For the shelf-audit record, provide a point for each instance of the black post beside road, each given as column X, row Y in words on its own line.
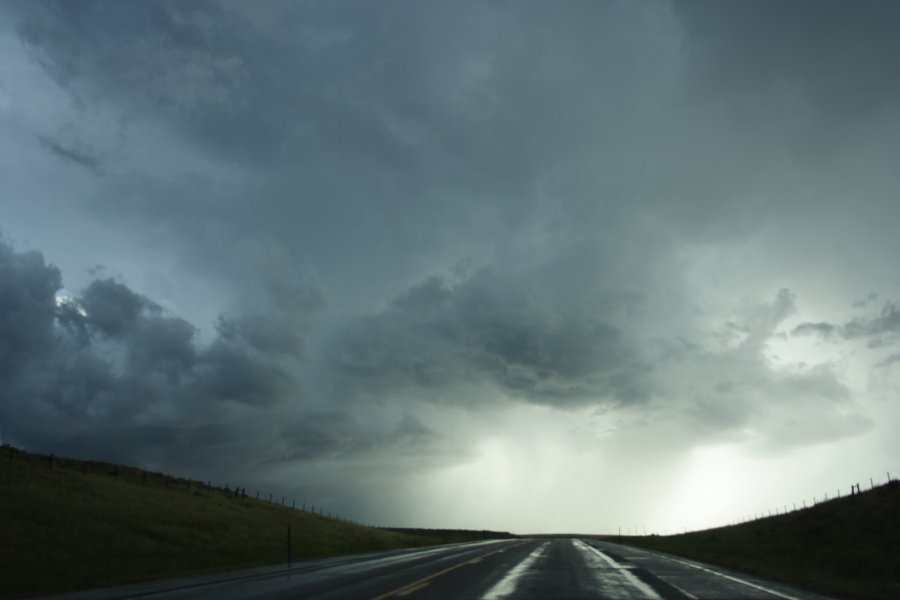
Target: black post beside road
column 289, row 545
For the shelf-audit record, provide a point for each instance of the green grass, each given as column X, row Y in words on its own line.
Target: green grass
column 71, row 525
column 849, row 547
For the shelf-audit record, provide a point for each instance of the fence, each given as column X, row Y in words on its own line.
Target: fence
column 160, row 480
column 804, row 503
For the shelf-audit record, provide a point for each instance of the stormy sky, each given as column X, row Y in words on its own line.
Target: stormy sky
column 521, row 265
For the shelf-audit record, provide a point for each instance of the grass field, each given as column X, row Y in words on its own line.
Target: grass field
column 70, row 524
column 848, row 547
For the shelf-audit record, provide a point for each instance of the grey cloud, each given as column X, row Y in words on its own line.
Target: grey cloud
column 890, row 360
column 616, row 175
column 821, row 328
column 113, row 308
column 27, row 308
column 110, row 361
column 233, row 371
column 495, row 330
column 879, row 330
column 78, row 155
column 840, row 56
column 886, row 323
column 164, row 54
column 412, row 118
column 264, row 333
column 735, row 394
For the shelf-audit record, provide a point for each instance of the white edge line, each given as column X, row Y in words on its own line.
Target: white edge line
column 747, row 583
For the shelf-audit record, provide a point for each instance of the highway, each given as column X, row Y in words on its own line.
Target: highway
column 533, row 568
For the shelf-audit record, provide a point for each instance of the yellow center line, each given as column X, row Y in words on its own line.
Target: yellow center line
column 420, row 583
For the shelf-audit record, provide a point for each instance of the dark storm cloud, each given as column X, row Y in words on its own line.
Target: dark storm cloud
column 886, row 323
column 79, row 155
column 840, row 56
column 112, row 365
column 821, row 328
column 495, row 329
column 371, row 120
column 27, row 308
column 502, row 237
column 167, row 55
column 878, row 329
column 114, row 309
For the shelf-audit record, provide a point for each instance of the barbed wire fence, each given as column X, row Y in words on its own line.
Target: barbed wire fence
column 199, row 487
column 867, row 484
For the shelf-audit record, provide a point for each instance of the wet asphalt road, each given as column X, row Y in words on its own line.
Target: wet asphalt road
column 530, row 569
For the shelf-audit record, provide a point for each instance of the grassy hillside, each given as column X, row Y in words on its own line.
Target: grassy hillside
column 69, row 524
column 849, row 547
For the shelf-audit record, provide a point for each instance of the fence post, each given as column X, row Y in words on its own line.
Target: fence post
column 289, row 545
